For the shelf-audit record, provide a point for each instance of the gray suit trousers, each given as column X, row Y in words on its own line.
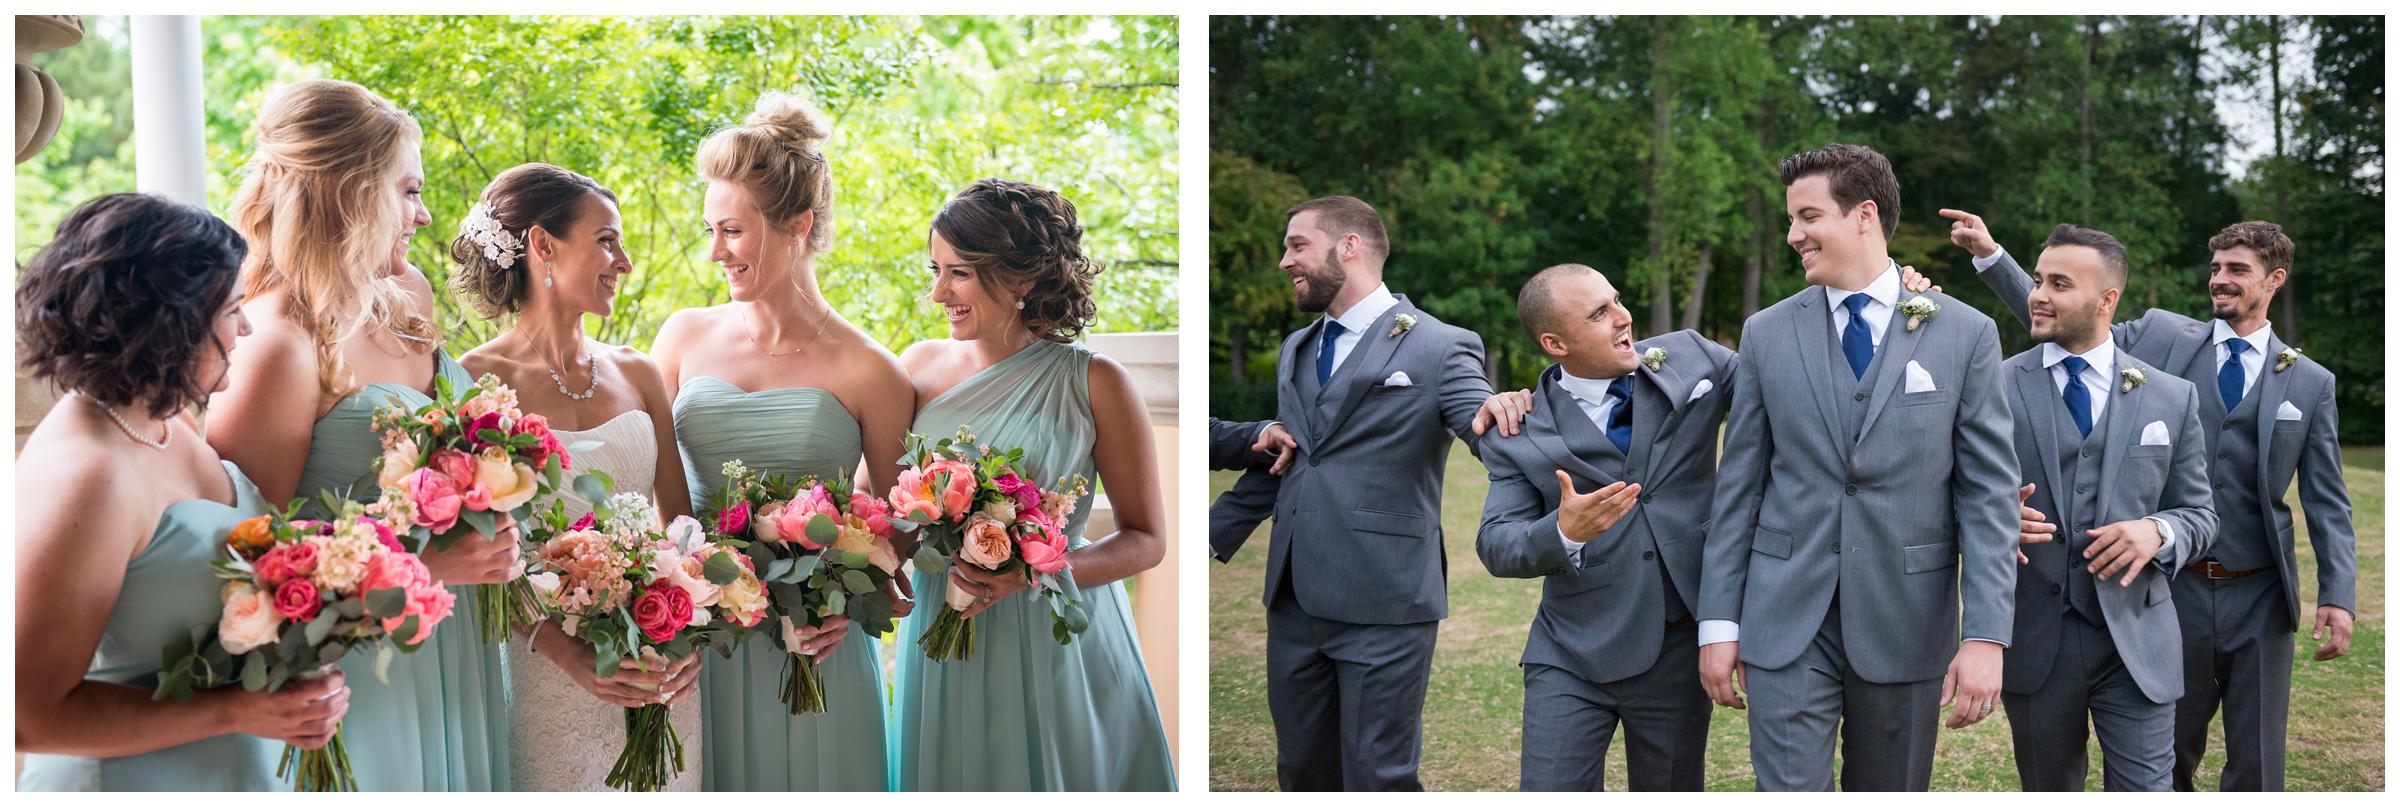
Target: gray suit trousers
column 1797, row 711
column 1346, row 699
column 2088, row 678
column 2237, row 649
column 1569, row 722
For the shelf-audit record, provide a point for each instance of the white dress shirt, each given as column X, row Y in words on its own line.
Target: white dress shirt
column 1884, row 293
column 2254, row 361
column 1360, row 319
column 1592, row 396
column 2100, row 367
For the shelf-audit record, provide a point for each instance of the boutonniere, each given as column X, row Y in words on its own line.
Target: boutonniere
column 1654, row 357
column 2134, row 377
column 2284, row 361
column 1919, row 311
column 1401, row 324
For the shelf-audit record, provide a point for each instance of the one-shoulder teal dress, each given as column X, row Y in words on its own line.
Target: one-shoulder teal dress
column 1027, row 713
column 168, row 589
column 441, row 723
column 753, row 740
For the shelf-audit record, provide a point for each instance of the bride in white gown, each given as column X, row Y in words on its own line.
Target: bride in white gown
column 544, row 244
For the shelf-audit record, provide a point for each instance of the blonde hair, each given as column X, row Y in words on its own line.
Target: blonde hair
column 318, row 209
column 774, row 156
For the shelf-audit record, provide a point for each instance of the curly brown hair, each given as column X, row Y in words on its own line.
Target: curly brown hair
column 120, row 301
column 1022, row 234
column 521, row 198
column 2263, row 237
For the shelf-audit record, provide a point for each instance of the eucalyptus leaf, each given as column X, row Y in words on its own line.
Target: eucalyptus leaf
column 383, row 662
column 591, row 488
column 855, row 582
column 821, row 530
column 387, row 603
column 254, row 671
column 721, row 569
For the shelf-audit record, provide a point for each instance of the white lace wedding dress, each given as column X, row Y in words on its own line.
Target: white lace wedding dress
column 564, row 738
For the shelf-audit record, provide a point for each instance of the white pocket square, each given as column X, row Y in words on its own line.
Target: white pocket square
column 1398, row 379
column 1918, row 379
column 2287, row 412
column 1702, row 389
column 2155, row 434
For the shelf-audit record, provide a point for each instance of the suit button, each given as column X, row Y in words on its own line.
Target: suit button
column 2083, row 488
column 1633, row 472
column 2087, row 455
column 1645, row 498
column 2228, row 425
column 1837, row 548
column 1647, row 554
column 1858, row 396
column 2221, row 455
column 2054, row 588
column 1849, row 490
column 1312, row 461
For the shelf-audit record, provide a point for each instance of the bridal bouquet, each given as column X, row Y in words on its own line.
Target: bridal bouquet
column 455, row 465
column 637, row 593
column 975, row 508
column 299, row 594
column 827, row 551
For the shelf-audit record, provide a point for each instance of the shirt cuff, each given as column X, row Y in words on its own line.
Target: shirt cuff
column 2003, row 645
column 1987, row 263
column 1574, row 550
column 1719, row 631
column 2166, row 543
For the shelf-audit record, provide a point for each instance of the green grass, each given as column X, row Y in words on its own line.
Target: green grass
column 1473, row 719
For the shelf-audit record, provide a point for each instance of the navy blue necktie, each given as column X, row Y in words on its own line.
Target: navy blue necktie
column 1858, row 344
column 2230, row 382
column 1333, row 330
column 1620, row 420
column 2079, row 398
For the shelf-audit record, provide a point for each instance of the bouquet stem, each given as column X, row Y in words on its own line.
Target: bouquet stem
column 319, row 770
column 502, row 607
column 653, row 753
column 951, row 638
column 803, row 685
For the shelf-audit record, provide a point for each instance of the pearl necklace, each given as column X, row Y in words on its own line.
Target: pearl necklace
column 166, row 431
column 590, row 368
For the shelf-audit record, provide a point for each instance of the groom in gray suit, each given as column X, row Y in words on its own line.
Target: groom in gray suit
column 2115, row 453
column 1367, row 400
column 1614, row 424
column 1867, row 486
column 2269, row 415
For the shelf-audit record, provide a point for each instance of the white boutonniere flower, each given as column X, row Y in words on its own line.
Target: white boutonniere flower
column 2134, row 377
column 2284, row 361
column 1401, row 324
column 1919, row 311
column 1654, row 357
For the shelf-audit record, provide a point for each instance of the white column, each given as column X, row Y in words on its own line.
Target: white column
column 1150, row 359
column 170, row 153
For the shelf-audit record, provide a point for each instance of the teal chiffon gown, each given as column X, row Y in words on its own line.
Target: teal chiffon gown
column 441, row 722
column 168, row 589
column 753, row 741
column 1027, row 713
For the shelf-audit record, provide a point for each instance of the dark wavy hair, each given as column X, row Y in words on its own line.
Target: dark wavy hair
column 520, row 198
column 124, row 297
column 1022, row 234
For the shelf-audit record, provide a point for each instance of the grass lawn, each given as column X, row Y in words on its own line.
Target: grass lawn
column 1473, row 720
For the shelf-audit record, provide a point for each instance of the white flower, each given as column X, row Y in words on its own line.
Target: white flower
column 1003, row 511
column 249, row 620
column 2134, row 377
column 1401, row 324
column 1919, row 311
column 2284, row 361
column 1654, row 357
column 499, row 245
column 633, row 513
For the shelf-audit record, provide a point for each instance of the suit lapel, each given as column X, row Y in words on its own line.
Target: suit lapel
column 1548, row 425
column 1299, row 382
column 2124, row 414
column 1900, row 347
column 1809, row 327
column 2186, row 349
column 1651, row 415
column 1366, row 363
column 2035, row 394
column 2272, row 388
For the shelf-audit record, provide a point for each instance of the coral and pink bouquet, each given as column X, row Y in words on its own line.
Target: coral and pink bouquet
column 300, row 594
column 654, row 597
column 975, row 508
column 827, row 551
column 455, row 465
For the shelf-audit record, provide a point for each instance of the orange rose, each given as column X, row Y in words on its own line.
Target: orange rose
column 252, row 537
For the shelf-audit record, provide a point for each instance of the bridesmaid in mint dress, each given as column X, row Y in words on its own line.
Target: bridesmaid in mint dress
column 780, row 381
column 1027, row 713
column 131, row 308
column 343, row 326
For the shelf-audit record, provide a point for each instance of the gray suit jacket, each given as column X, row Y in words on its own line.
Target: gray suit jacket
column 1237, row 512
column 1914, row 511
column 1358, row 518
column 2168, row 482
column 1604, row 621
column 2309, row 448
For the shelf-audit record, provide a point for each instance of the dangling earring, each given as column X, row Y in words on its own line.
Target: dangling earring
column 1020, row 303
column 547, row 268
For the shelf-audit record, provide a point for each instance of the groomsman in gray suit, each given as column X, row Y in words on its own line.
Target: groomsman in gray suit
column 2114, row 452
column 1614, row 641
column 2269, row 414
column 1367, row 400
column 1868, row 486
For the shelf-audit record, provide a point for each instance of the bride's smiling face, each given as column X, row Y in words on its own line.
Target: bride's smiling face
column 740, row 241
column 972, row 310
column 591, row 259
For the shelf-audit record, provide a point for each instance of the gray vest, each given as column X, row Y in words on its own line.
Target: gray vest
column 1580, row 431
column 2078, row 498
column 2244, row 541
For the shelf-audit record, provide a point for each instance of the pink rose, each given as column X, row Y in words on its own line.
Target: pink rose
column 1027, row 495
column 766, row 527
column 430, row 605
column 399, row 570
column 914, row 496
column 540, row 454
column 818, row 500
column 1045, row 549
column 986, row 543
column 873, row 511
column 792, row 523
column 383, row 535
column 453, row 463
column 475, row 497
column 274, row 567
column 297, row 599
column 583, row 523
column 435, row 496
column 661, row 611
column 732, row 520
column 958, row 486
column 489, row 420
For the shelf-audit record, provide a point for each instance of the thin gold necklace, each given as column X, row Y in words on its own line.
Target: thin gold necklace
column 823, row 321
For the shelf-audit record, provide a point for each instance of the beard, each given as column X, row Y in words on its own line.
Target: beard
column 1324, row 283
column 2073, row 327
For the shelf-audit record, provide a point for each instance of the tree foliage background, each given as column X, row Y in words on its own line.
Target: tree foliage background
column 1646, row 147
column 920, row 107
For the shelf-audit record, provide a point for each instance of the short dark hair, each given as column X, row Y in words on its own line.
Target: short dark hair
column 2112, row 253
column 1342, row 215
column 2264, row 237
column 1536, row 309
column 117, row 304
column 1020, row 233
column 1856, row 173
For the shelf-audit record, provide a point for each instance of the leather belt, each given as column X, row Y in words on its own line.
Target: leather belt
column 2217, row 571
